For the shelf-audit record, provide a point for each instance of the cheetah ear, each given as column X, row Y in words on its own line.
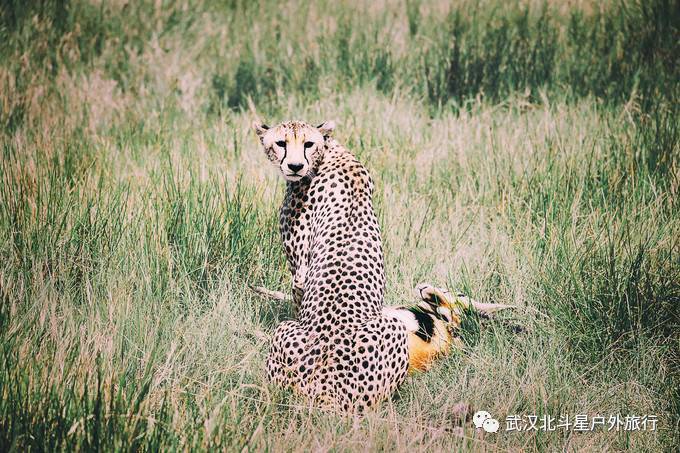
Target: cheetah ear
column 260, row 129
column 326, row 128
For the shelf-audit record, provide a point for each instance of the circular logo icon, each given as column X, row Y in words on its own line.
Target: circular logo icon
column 483, row 419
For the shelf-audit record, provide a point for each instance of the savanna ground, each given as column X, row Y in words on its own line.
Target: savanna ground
column 525, row 153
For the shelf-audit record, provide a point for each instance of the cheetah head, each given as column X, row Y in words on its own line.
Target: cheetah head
column 294, row 147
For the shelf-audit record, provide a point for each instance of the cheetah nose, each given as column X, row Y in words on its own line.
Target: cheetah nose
column 295, row 167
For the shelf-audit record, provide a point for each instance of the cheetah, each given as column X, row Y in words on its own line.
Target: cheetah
column 344, row 348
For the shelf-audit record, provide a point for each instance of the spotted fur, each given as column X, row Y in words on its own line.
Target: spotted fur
column 342, row 349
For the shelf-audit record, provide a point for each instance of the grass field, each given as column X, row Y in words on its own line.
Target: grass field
column 526, row 153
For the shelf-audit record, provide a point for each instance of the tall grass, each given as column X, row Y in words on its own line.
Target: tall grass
column 524, row 153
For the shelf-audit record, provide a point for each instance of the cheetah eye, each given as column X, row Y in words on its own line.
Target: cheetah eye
column 309, row 144
column 281, row 143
